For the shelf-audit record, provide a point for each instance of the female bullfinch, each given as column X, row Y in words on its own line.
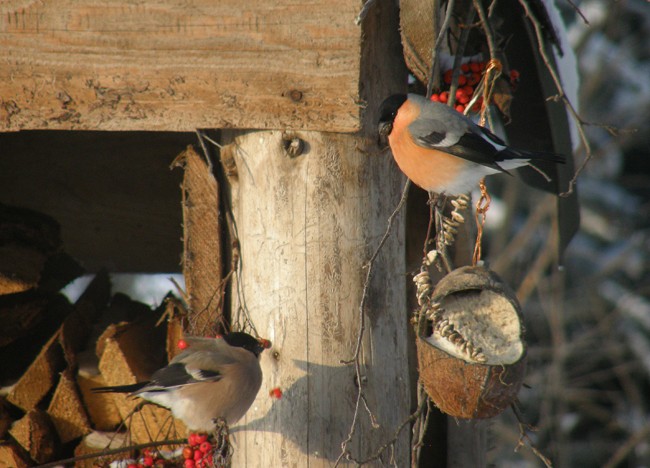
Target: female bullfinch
column 443, row 151
column 213, row 378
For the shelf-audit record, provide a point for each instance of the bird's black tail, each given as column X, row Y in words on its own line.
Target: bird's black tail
column 120, row 388
column 537, row 156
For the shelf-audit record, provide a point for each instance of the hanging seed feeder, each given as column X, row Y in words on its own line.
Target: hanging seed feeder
column 471, row 352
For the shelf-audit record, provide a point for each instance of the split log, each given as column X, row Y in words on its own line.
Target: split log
column 34, row 432
column 67, row 410
column 125, row 357
column 12, row 456
column 20, row 268
column 59, row 350
column 40, row 377
column 101, row 408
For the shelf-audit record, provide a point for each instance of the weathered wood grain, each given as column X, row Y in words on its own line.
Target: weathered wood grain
column 307, row 227
column 177, row 65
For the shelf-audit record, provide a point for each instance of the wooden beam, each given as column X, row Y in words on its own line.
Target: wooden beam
column 173, row 65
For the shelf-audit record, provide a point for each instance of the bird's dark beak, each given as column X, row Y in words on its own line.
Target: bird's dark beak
column 384, row 130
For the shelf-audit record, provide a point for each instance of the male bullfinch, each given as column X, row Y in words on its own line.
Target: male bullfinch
column 213, row 378
column 443, row 151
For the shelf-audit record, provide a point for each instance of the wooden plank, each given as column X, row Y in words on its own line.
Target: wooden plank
column 202, row 264
column 174, row 65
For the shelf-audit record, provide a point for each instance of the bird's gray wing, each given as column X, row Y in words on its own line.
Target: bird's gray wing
column 460, row 138
column 188, row 368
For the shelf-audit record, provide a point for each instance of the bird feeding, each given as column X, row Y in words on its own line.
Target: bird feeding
column 471, row 352
column 211, row 379
column 443, row 151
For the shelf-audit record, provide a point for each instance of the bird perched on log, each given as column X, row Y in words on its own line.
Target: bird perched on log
column 212, row 378
column 442, row 150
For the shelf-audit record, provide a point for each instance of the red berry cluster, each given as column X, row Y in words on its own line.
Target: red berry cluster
column 470, row 76
column 198, row 452
column 149, row 458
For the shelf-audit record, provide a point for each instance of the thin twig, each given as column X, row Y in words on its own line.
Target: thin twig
column 436, row 48
column 624, row 450
column 524, row 440
column 460, row 51
column 487, row 28
column 414, row 416
column 201, row 136
column 419, row 430
column 536, row 271
column 578, row 11
column 362, row 322
column 525, row 234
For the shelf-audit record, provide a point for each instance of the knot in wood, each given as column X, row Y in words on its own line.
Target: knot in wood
column 295, row 95
column 293, row 146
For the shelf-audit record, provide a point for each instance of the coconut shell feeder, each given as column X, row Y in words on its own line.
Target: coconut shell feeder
column 471, row 351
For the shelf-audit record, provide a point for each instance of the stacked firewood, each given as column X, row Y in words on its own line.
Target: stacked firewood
column 53, row 352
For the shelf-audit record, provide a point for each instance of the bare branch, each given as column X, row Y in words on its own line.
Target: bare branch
column 436, row 47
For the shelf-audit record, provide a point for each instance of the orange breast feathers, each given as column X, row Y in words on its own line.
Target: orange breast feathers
column 429, row 169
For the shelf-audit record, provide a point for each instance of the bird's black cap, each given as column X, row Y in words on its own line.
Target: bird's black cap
column 246, row 341
column 389, row 107
column 387, row 113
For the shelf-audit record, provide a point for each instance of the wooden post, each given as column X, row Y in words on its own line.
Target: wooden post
column 307, row 222
column 307, row 226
